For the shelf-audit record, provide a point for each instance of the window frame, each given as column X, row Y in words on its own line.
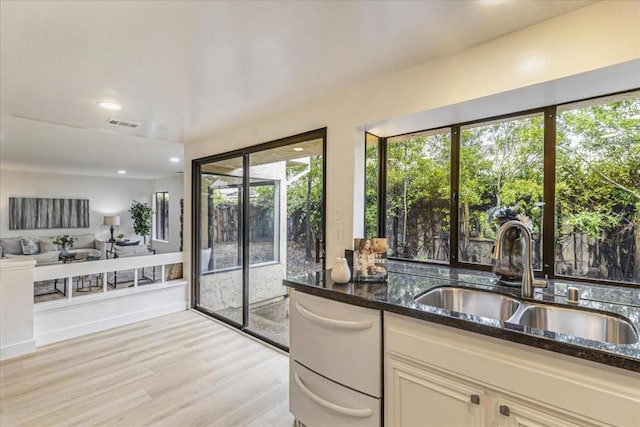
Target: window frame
column 276, row 228
column 161, row 217
column 549, row 191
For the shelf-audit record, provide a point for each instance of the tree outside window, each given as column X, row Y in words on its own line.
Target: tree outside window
column 593, row 188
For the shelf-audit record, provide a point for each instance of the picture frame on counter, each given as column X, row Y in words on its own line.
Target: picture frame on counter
column 370, row 259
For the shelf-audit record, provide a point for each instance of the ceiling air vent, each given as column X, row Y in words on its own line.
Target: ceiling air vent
column 117, row 122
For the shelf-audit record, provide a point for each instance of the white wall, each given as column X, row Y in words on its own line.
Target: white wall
column 174, row 185
column 562, row 56
column 107, row 196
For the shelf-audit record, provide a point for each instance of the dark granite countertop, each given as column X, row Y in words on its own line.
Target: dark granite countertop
column 408, row 279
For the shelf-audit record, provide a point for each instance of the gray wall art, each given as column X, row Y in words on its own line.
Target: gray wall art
column 30, row 213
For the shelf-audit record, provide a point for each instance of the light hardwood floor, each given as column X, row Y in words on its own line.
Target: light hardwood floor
column 176, row 370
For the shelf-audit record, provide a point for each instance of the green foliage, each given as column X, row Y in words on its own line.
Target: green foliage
column 501, row 164
column 297, row 192
column 141, row 213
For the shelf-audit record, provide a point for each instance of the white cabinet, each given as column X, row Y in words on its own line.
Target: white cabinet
column 422, row 398
column 514, row 414
column 335, row 360
column 441, row 376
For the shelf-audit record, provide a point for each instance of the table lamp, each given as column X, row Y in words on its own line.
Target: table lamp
column 111, row 220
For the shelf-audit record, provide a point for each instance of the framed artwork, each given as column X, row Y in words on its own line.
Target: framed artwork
column 370, row 260
column 32, row 213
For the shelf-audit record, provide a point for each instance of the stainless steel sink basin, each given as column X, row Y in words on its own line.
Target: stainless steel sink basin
column 470, row 301
column 579, row 323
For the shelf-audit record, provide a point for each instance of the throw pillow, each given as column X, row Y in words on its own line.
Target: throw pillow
column 84, row 241
column 11, row 245
column 30, row 245
column 47, row 245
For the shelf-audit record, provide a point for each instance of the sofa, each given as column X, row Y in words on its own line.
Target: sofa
column 44, row 251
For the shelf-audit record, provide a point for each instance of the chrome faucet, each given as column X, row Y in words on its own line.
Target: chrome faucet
column 528, row 282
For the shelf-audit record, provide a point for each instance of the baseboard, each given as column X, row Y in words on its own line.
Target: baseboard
column 17, row 349
column 99, row 325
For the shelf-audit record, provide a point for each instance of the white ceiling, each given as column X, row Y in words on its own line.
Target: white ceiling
column 183, row 70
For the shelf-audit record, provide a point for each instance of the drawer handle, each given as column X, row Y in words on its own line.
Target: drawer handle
column 350, row 412
column 333, row 323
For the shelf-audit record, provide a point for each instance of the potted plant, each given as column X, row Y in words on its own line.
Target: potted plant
column 141, row 213
column 64, row 241
column 120, row 237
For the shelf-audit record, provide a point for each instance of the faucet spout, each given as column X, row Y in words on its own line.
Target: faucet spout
column 528, row 281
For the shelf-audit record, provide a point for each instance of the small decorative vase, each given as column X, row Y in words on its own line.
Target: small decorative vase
column 63, row 251
column 341, row 273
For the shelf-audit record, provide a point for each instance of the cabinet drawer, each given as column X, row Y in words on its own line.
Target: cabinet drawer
column 317, row 401
column 337, row 340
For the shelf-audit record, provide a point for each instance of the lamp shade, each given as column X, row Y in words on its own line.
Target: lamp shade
column 111, row 220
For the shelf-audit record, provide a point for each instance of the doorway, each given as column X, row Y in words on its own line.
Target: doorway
column 258, row 218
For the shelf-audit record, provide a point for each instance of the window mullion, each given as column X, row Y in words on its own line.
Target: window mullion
column 454, row 195
column 382, row 187
column 548, row 236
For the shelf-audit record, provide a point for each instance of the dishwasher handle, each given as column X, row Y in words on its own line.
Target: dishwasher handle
column 342, row 410
column 327, row 322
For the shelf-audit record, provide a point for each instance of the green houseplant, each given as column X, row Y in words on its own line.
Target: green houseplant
column 141, row 213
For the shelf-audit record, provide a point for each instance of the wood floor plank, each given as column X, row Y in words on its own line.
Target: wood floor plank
column 176, row 370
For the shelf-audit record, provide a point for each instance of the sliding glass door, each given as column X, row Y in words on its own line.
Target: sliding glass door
column 285, row 218
column 220, row 211
column 260, row 217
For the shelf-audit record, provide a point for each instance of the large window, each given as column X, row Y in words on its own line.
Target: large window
column 223, row 242
column 162, row 215
column 598, row 189
column 573, row 172
column 501, row 165
column 417, row 190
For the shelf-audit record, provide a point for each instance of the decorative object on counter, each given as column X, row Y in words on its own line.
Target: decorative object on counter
column 141, row 213
column 370, row 260
column 341, row 273
column 120, row 237
column 31, row 213
column 64, row 241
column 111, row 220
column 510, row 266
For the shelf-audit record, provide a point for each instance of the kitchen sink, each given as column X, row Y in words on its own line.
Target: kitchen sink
column 597, row 326
column 471, row 301
column 580, row 323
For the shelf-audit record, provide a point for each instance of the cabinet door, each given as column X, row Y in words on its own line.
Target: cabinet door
column 421, row 398
column 514, row 414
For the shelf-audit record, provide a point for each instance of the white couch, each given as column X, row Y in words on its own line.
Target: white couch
column 44, row 251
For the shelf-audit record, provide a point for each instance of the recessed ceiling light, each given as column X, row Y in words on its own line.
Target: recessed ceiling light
column 110, row 105
column 122, row 172
column 298, row 149
column 174, row 159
